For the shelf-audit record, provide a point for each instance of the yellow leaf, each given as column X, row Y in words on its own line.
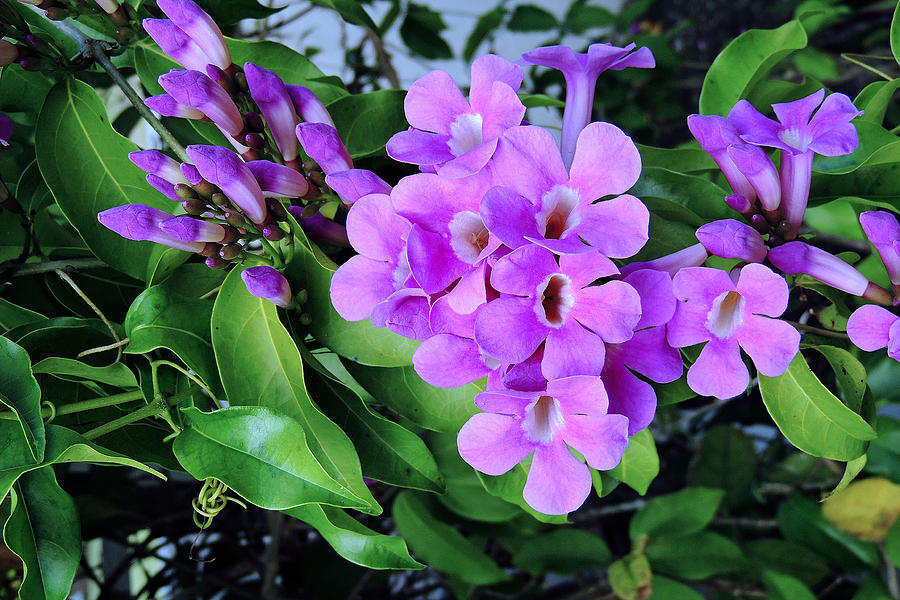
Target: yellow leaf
column 866, row 508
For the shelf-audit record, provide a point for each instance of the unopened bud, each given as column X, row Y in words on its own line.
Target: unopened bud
column 255, row 141
column 230, row 252
column 194, row 206
column 184, row 191
column 240, row 81
column 273, row 233
column 31, row 63
column 9, row 53
column 317, row 178
column 231, row 235
column 232, row 217
column 310, row 210
column 254, row 121
column 220, row 199
column 210, row 249
column 216, row 263
column 276, row 209
column 57, row 13
column 784, row 227
column 305, row 319
column 301, row 297
column 759, row 223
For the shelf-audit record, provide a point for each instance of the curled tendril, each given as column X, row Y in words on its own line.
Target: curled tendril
column 211, row 500
column 49, row 406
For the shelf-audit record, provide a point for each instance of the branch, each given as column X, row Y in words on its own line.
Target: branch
column 72, row 264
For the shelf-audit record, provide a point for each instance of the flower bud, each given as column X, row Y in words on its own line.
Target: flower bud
column 883, row 231
column 269, row 284
column 195, row 89
column 189, row 229
column 8, row 53
column 732, row 239
column 216, row 263
column 185, row 192
column 321, row 230
column 6, row 130
column 255, row 141
column 225, row 169
column 167, row 106
column 254, row 122
column 278, row 180
column 108, row 6
column 270, row 95
column 308, row 106
column 194, row 206
column 760, row 171
column 156, row 163
column 235, row 219
column 692, row 256
column 176, row 43
column 230, row 252
column 715, row 134
column 793, row 258
column 273, row 233
column 163, row 186
column 142, row 223
column 276, row 209
column 323, row 144
column 353, row 184
column 191, row 19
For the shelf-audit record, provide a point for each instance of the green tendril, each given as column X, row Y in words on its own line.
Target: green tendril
column 211, row 500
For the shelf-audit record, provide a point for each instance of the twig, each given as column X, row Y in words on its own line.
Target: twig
column 99, row 349
column 819, row 331
column 271, row 560
column 604, row 511
column 893, row 583
column 746, row 522
column 384, row 59
column 72, row 264
column 62, row 275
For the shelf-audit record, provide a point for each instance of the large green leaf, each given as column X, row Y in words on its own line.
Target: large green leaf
column 441, row 546
column 786, row 557
column 562, row 551
column 44, row 531
column 876, row 145
column 875, row 98
column 687, row 159
column 874, row 181
column 895, row 33
column 746, row 60
column 785, row 587
column 681, row 513
column 640, row 464
column 388, row 452
column 678, row 197
column 13, row 315
column 367, row 121
column 485, row 24
column 20, row 392
column 663, row 588
column 116, row 374
column 811, row 417
column 227, row 13
column 21, row 90
column 354, row 541
column 726, row 460
column 849, row 373
column 261, row 366
column 351, row 11
column 163, row 318
column 694, row 556
column 262, row 455
column 359, row 341
column 85, row 164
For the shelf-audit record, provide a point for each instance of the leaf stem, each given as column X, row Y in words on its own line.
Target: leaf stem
column 819, row 331
column 49, row 266
column 158, row 363
column 849, row 57
column 159, row 407
column 84, row 405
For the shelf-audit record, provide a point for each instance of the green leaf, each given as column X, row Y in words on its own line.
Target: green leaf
column 13, row 315
column 261, row 366
column 485, row 24
column 786, row 557
column 354, row 541
column 884, row 452
column 509, row 487
column 892, row 543
column 630, row 577
column 678, row 197
column 361, row 341
column 709, row 554
column 640, row 464
column 421, row 30
column 61, row 336
column 44, row 531
column 388, row 452
column 744, row 62
column 404, row 392
column 726, row 460
column 528, row 17
column 785, row 587
column 351, row 11
column 801, row 522
column 563, row 551
column 663, row 588
column 260, row 454
column 21, row 90
column 583, row 17
column 811, row 417
column 228, row 13
column 20, row 392
column 849, row 373
column 876, row 145
column 853, row 468
column 873, row 181
column 689, row 159
column 538, row 100
column 684, row 512
column 162, row 318
column 873, row 589
column 895, row 33
column 116, row 374
column 367, row 121
column 874, row 99
column 441, row 546
column 31, row 191
column 85, row 164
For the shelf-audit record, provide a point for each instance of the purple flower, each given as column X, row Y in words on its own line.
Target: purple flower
column 168, row 106
column 732, row 239
column 268, row 284
column 799, row 134
column 200, row 27
column 176, row 43
column 872, row 328
column 225, row 169
column 728, row 316
column 353, row 184
column 189, row 229
column 195, row 89
column 715, row 135
column 647, row 353
column 543, row 300
column 6, row 129
column 154, row 162
column 308, row 106
column 799, row 257
column 319, row 229
column 269, row 92
column 545, row 203
column 163, row 186
column 323, row 144
column 581, row 72
column 570, row 412
column 883, row 231
column 451, row 135
column 140, row 222
column 278, row 180
column 692, row 256
column 449, row 361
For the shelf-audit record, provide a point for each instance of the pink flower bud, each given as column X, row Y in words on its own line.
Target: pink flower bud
column 191, row 19
column 278, row 180
column 189, row 229
column 225, row 169
column 321, row 230
column 167, row 106
column 799, row 257
column 323, row 144
column 6, row 130
column 156, row 163
column 269, row 93
column 732, row 239
column 268, row 284
column 883, row 231
column 8, row 53
column 353, row 184
column 176, row 43
column 308, row 106
column 142, row 223
column 692, row 256
column 195, row 89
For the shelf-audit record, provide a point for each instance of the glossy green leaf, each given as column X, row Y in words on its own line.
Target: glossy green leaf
column 563, row 551
column 260, row 454
column 67, row 446
column 874, row 181
column 689, row 159
column 62, row 336
column 20, row 393
column 351, row 11
column 678, row 197
column 13, row 315
column 440, row 546
column 528, row 17
column 116, row 374
column 811, row 417
column 485, row 24
column 354, row 541
column 874, row 99
column 404, row 392
column 853, row 468
column 538, row 100
column 261, row 366
column 162, row 318
column 360, row 341
column 583, row 17
column 681, row 513
column 630, row 577
column 786, row 557
column 745, row 61
column 895, row 33
column 44, row 531
column 709, row 554
column 85, row 164
column 801, row 522
column 876, row 145
column 640, row 464
column 227, row 13
column 388, row 452
column 849, row 373
column 367, row 121
column 785, row 587
column 21, row 90
column 31, row 191
column 884, row 452
column 726, row 460
column 663, row 588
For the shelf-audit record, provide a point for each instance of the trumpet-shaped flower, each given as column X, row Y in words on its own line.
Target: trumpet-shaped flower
column 883, row 231
column 570, row 412
column 872, row 327
column 728, row 316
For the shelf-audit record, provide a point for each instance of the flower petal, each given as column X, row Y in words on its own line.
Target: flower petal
column 419, row 147
column 657, row 299
column 629, row 396
column 719, row 370
column 610, row 310
column 488, row 70
column 375, row 230
column 497, row 320
column 509, row 216
column 449, row 361
column 618, row 227
column 493, row 444
column 530, row 161
column 579, row 395
column 358, row 285
column 869, row 326
column 521, row 271
column 771, row 343
column 557, row 483
column 433, row 102
column 601, row 439
column 695, row 289
column 606, row 162
column 765, row 292
column 572, row 350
